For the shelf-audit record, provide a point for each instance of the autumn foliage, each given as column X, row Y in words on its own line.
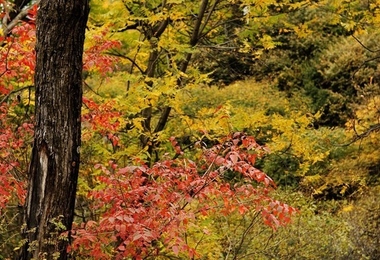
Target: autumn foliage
column 144, row 211
column 140, row 210
column 136, row 204
column 12, row 162
column 16, row 72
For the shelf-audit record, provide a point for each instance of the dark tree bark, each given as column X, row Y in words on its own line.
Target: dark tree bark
column 54, row 165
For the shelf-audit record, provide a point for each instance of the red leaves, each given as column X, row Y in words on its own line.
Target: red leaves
column 144, row 209
column 176, row 146
column 102, row 118
column 17, row 56
column 17, row 53
column 277, row 214
column 96, row 57
column 234, row 157
column 12, row 167
column 240, row 153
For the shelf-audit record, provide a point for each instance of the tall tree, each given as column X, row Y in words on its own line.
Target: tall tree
column 54, row 166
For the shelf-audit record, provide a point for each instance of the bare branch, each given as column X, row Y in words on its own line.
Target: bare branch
column 197, row 27
column 14, row 92
column 364, row 46
column 374, row 128
column 211, row 11
column 117, row 54
column 21, row 15
column 129, row 27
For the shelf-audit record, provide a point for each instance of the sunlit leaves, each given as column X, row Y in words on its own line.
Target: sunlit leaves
column 96, row 58
column 17, row 58
column 13, row 145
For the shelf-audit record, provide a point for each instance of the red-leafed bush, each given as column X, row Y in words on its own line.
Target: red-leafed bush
column 146, row 209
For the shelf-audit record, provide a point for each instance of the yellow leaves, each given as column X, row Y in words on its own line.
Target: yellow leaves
column 107, row 12
column 267, row 42
column 313, row 181
column 296, row 136
column 334, row 19
column 348, row 208
column 284, row 31
column 302, row 31
column 175, row 1
column 210, row 120
column 367, row 118
column 349, row 25
column 298, row 4
column 262, row 111
column 369, row 110
column 376, row 19
column 158, row 17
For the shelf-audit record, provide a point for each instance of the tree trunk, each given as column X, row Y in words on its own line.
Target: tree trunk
column 53, row 171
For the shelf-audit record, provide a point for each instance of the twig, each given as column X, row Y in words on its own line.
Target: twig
column 362, row 44
column 373, row 128
column 366, row 61
column 21, row 15
column 90, row 88
column 117, row 54
column 244, row 235
column 13, row 92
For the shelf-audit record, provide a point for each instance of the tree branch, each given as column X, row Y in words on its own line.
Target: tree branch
column 117, row 54
column 374, row 128
column 21, row 15
column 129, row 27
column 209, row 16
column 362, row 44
column 13, row 92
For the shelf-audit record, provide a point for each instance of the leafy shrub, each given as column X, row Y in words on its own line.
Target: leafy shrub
column 364, row 220
column 146, row 211
column 284, row 124
column 313, row 234
column 344, row 68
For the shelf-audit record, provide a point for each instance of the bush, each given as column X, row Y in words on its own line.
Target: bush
column 364, row 220
column 313, row 234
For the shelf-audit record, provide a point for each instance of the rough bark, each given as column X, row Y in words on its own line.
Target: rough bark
column 54, row 165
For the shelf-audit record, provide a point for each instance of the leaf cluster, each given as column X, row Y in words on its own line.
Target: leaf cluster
column 145, row 211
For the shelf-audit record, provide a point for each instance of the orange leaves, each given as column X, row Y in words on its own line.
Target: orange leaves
column 96, row 56
column 277, row 214
column 12, row 142
column 17, row 56
column 143, row 209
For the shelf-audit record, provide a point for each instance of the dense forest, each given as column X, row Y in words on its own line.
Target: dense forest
column 210, row 129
